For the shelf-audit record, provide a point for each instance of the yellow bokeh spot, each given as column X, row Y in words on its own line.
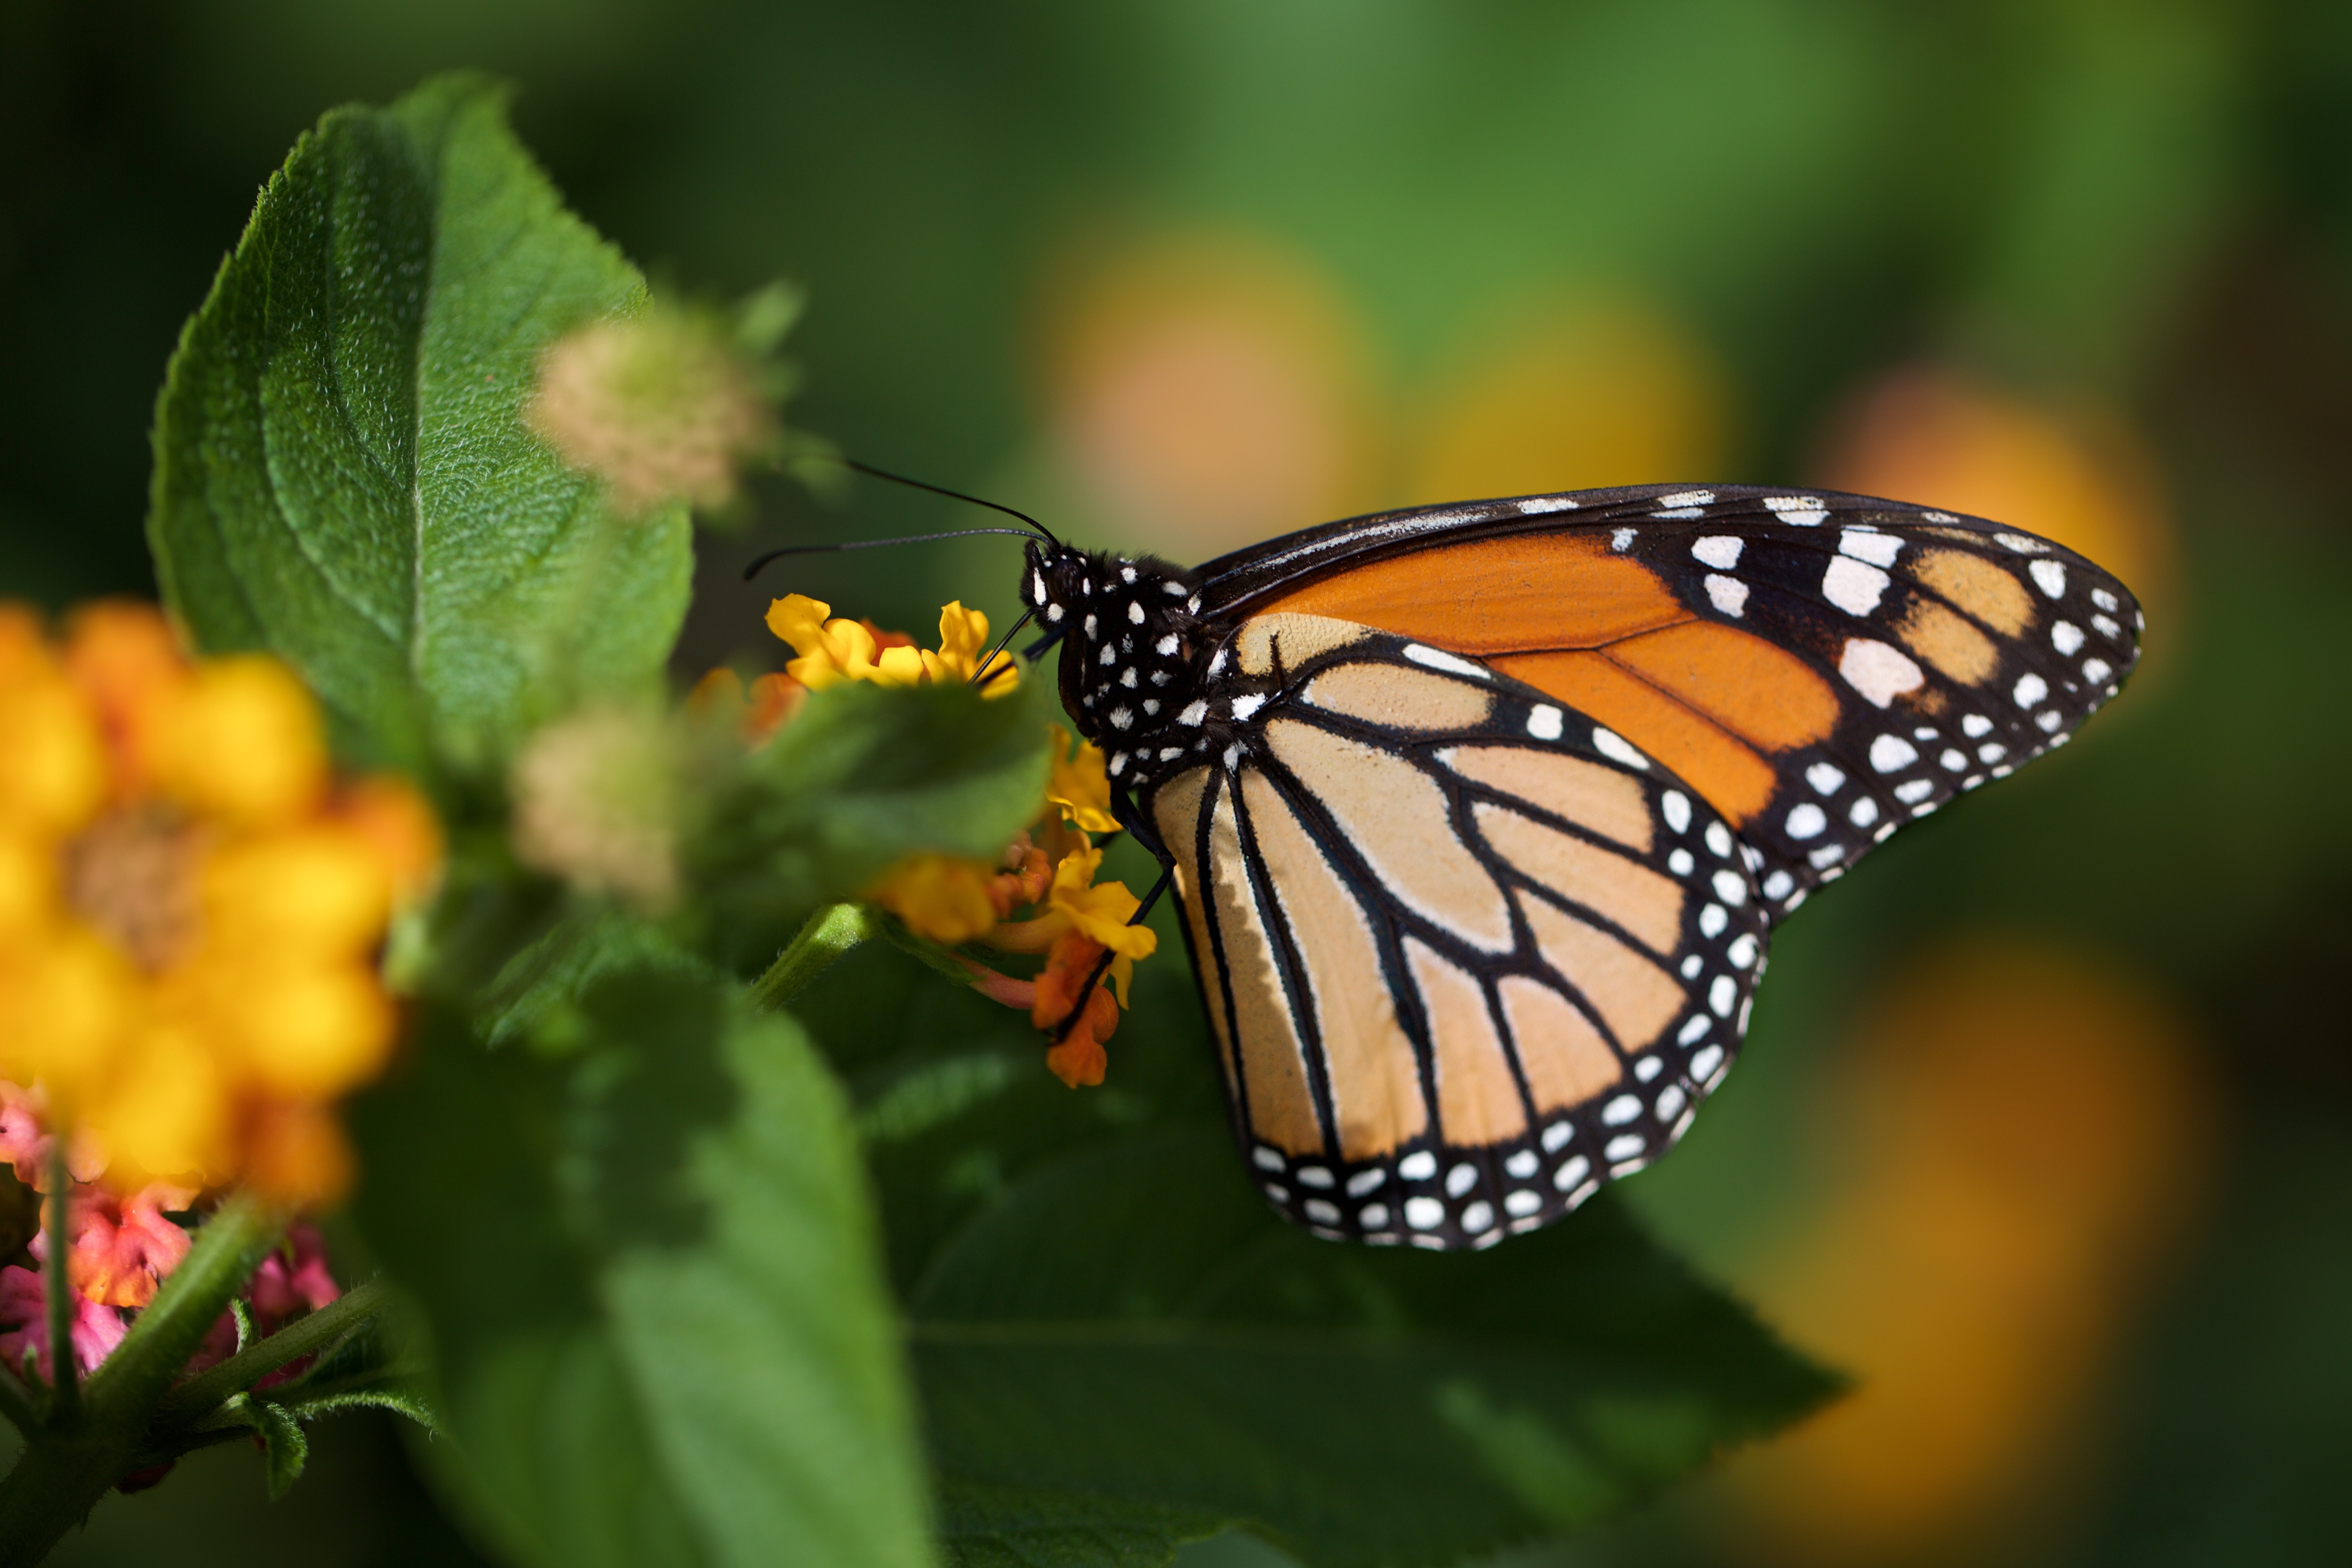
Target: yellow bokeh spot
column 165, row 1111
column 312, row 1032
column 1570, row 393
column 53, row 772
column 245, row 743
column 2014, row 1139
column 315, row 891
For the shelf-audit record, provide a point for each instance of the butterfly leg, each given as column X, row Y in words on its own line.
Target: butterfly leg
column 1102, row 965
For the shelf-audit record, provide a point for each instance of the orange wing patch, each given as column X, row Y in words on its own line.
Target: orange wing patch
column 1605, row 635
column 1757, row 689
column 1499, row 595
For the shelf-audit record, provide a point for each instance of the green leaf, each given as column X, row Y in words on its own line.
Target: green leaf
column 1119, row 1343
column 985, row 1526
column 284, row 1446
column 864, row 776
column 343, row 474
column 651, row 1275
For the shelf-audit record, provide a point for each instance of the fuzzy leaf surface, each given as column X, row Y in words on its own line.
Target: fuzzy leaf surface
column 343, row 475
column 649, row 1268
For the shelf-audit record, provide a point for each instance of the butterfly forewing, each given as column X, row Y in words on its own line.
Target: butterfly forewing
column 1467, row 952
column 1820, row 667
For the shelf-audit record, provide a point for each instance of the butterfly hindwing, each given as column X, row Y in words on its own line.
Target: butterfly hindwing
column 1466, row 953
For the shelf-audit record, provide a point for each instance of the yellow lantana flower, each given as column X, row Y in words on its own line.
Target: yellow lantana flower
column 190, row 905
column 1079, row 785
column 943, row 896
column 832, row 651
column 1101, row 912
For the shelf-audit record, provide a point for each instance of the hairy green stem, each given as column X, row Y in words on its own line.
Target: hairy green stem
column 16, row 1403
column 57, row 1227
column 830, row 932
column 300, row 1338
column 63, row 1473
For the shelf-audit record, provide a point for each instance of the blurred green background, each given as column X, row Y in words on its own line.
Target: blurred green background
column 2045, row 1127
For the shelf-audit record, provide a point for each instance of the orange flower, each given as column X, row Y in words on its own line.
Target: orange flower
column 759, row 712
column 189, row 904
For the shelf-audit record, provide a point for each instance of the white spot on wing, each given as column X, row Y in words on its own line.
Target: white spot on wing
column 1878, row 548
column 1437, row 659
column 1854, row 586
column 2030, row 689
column 1535, row 505
column 1418, row 1166
column 2064, row 636
column 1622, row 540
column 1879, row 672
column 2050, row 576
column 1727, row 595
column 1615, row 747
column 1827, row 778
column 1675, row 807
column 1687, row 498
column 1889, row 753
column 1806, row 821
column 1720, row 551
column 1544, row 722
column 1245, row 706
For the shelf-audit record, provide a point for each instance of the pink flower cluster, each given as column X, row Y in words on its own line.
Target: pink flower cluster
column 122, row 1249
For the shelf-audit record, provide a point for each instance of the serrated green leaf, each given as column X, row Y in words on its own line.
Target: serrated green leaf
column 343, row 474
column 654, row 1291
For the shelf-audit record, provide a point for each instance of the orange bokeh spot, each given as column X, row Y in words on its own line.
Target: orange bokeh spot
column 1210, row 391
column 2078, row 476
column 2016, row 1137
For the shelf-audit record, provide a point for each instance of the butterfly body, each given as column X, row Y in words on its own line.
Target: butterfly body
column 1479, row 816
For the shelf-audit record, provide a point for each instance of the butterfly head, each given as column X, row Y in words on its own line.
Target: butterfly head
column 1130, row 637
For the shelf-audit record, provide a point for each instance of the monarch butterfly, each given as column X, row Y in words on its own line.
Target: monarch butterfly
column 1479, row 816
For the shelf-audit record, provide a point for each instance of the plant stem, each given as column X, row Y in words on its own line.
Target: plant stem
column 16, row 1404
column 830, row 932
column 62, row 1474
column 299, row 1338
column 56, row 1225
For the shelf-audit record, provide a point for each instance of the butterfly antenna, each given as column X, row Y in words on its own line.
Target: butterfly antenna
column 1042, row 531
column 1036, row 531
column 982, row 676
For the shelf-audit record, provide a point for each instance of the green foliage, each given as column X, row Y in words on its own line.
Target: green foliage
column 342, row 475
column 863, row 777
column 1120, row 1347
column 647, row 1262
